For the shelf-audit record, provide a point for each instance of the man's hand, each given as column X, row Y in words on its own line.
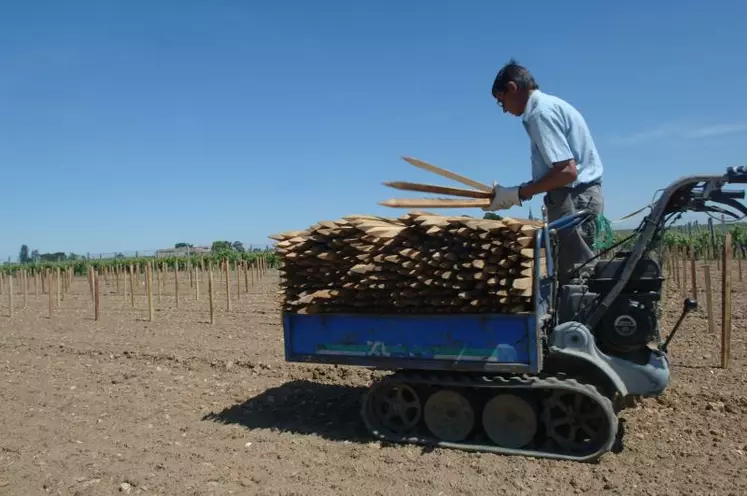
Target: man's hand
column 504, row 198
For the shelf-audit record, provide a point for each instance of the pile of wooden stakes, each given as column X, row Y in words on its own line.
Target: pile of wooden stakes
column 417, row 263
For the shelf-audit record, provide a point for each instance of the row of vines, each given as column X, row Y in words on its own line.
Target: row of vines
column 82, row 267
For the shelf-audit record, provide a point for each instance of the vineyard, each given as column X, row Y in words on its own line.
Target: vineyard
column 175, row 383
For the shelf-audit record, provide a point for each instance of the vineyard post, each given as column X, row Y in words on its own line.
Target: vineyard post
column 237, row 272
column 49, row 291
column 10, row 295
column 59, row 284
column 726, row 302
column 36, row 284
column 693, row 274
column 124, row 285
column 149, row 284
column 709, row 299
column 90, row 281
column 210, row 291
column 25, row 289
column 197, row 274
column 159, row 273
column 684, row 269
column 132, row 285
column 191, row 274
column 246, row 276
column 228, row 284
column 96, row 300
column 176, row 282
column 116, row 274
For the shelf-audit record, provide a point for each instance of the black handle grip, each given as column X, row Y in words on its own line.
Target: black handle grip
column 737, row 174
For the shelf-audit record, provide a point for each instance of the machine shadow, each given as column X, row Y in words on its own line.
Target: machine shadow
column 302, row 407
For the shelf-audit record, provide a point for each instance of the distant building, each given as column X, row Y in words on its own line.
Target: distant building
column 183, row 251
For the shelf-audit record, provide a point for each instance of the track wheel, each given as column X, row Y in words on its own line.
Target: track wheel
column 396, row 406
column 449, row 415
column 576, row 422
column 509, row 421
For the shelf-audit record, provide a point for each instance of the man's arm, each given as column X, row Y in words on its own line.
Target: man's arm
column 561, row 174
column 546, row 131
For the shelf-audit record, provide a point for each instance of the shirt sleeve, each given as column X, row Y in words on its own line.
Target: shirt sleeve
column 546, row 131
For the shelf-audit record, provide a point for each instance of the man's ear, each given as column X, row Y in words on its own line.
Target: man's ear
column 511, row 87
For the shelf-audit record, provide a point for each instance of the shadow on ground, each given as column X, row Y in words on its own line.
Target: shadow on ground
column 302, row 407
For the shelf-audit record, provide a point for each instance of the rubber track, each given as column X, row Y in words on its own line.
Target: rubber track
column 522, row 382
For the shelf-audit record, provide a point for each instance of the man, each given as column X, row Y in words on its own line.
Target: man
column 565, row 163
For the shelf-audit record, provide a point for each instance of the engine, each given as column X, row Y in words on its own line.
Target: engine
column 631, row 322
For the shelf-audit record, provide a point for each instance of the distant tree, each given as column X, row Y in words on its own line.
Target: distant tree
column 492, row 216
column 183, row 245
column 238, row 246
column 23, row 256
column 35, row 256
column 221, row 246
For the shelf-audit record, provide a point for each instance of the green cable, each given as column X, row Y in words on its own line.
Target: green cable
column 604, row 236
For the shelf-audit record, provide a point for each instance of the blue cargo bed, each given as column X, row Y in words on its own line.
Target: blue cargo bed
column 464, row 342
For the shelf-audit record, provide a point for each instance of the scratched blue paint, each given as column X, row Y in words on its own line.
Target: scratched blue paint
column 360, row 339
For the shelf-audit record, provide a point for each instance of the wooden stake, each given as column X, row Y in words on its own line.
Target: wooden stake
column 159, row 273
column 59, row 284
column 210, row 291
column 149, row 284
column 124, row 285
column 196, row 271
column 132, row 285
column 176, row 282
column 10, row 294
column 693, row 275
column 25, row 289
column 90, row 282
column 49, row 291
column 96, row 300
column 228, row 285
column 244, row 266
column 709, row 299
column 726, row 302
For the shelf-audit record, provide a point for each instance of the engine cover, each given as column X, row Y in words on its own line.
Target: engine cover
column 631, row 321
column 627, row 326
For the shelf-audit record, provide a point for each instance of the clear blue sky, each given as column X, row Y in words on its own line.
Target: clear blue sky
column 134, row 125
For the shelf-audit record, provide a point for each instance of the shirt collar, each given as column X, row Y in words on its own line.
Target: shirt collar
column 531, row 104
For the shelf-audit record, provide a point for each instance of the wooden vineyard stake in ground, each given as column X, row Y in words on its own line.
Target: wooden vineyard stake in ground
column 709, row 298
column 228, row 285
column 96, row 300
column 210, row 292
column 726, row 302
column 196, row 276
column 10, row 295
column 49, row 291
column 149, row 286
column 693, row 274
column 132, row 285
column 176, row 282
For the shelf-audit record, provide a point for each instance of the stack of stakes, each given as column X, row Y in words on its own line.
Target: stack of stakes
column 419, row 263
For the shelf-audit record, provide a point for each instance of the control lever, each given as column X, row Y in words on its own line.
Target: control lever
column 690, row 305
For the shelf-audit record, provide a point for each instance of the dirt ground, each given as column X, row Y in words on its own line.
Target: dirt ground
column 179, row 406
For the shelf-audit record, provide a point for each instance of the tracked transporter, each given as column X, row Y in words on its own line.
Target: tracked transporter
column 536, row 369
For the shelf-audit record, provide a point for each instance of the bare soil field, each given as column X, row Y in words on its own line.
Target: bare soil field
column 180, row 406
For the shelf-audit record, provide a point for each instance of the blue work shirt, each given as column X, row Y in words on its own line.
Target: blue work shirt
column 559, row 132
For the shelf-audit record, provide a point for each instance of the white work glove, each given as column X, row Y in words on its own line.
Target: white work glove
column 504, row 198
